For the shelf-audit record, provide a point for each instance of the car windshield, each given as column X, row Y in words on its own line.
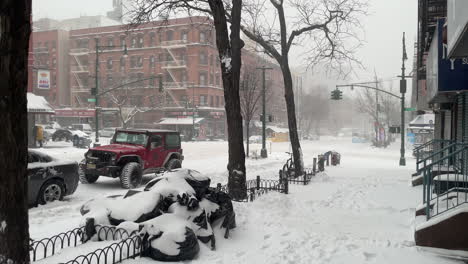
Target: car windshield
column 131, row 138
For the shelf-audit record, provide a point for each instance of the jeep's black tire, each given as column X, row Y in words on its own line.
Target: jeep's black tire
column 87, row 178
column 173, row 164
column 131, row 176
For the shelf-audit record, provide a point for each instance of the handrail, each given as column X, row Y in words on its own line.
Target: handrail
column 448, row 156
column 438, row 152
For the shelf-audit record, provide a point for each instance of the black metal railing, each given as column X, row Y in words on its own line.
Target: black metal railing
column 445, row 180
column 47, row 247
column 127, row 248
column 426, row 151
column 258, row 187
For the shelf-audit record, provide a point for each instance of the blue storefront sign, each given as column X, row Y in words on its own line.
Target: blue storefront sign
column 444, row 74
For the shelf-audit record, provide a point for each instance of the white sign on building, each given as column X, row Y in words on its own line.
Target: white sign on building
column 43, row 79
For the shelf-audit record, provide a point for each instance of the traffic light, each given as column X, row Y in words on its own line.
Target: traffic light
column 270, row 118
column 93, row 91
column 336, row 94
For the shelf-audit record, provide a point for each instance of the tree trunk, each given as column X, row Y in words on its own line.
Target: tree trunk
column 289, row 94
column 291, row 110
column 247, row 132
column 15, row 29
column 230, row 56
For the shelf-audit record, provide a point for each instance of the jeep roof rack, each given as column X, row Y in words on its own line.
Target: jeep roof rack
column 145, row 130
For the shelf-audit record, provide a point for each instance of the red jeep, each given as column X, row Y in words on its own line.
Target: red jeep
column 132, row 153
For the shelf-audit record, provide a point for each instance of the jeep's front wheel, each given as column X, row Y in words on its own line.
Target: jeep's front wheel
column 86, row 178
column 131, row 176
column 173, row 164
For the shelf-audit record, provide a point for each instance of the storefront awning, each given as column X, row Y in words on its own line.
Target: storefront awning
column 38, row 105
column 179, row 121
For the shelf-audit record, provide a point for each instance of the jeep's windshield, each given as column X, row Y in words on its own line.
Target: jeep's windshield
column 131, row 138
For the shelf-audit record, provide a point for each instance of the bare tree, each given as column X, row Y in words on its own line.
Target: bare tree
column 325, row 27
column 315, row 108
column 123, row 90
column 15, row 30
column 384, row 114
column 229, row 46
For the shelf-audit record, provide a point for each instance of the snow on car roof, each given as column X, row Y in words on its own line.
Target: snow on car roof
column 146, row 130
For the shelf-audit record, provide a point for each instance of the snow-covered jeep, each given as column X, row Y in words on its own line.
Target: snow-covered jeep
column 132, row 153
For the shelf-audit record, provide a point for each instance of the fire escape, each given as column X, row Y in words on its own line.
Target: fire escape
column 175, row 65
column 428, row 13
column 80, row 74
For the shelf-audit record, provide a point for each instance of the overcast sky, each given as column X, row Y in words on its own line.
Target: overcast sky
column 383, row 29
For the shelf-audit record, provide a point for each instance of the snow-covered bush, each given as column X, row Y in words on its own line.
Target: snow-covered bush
column 175, row 211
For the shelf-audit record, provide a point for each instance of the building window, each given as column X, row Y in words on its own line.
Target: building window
column 217, row 101
column 134, row 42
column 203, row 101
column 140, row 62
column 211, row 101
column 109, row 63
column 122, row 64
column 152, row 62
column 54, row 45
column 122, row 41
column 54, row 79
column 140, row 41
column 184, row 36
column 184, row 77
column 217, row 80
column 54, row 62
column 110, row 81
column 211, row 59
column 151, row 82
column 211, row 79
column 169, row 78
column 133, row 62
column 168, row 57
column 169, row 35
column 110, row 42
column 160, row 57
column 202, row 78
column 183, row 99
column 203, row 58
column 202, row 36
column 152, row 39
column 46, row 44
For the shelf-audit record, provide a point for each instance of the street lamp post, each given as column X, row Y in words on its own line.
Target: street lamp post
column 264, row 153
column 96, row 89
column 403, row 91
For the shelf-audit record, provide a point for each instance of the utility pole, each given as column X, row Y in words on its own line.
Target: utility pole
column 403, row 91
column 377, row 122
column 264, row 152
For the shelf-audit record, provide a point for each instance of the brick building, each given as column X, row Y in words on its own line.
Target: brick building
column 48, row 54
column 181, row 54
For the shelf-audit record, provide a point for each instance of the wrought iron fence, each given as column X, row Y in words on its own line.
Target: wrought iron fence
column 47, row 247
column 258, row 187
column 130, row 247
column 445, row 179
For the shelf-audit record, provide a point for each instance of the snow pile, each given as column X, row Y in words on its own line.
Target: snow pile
column 175, row 211
column 170, row 238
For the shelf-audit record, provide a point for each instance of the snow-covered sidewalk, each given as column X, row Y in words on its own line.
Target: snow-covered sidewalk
column 359, row 212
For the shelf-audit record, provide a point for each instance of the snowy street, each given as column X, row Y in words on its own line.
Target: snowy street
column 361, row 211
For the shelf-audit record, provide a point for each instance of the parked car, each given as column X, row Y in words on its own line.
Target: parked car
column 79, row 138
column 132, row 153
column 82, row 127
column 255, row 139
column 50, row 179
column 107, row 132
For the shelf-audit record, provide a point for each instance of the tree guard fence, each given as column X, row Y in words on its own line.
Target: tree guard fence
column 47, row 247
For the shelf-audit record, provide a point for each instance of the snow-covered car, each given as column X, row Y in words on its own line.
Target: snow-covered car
column 50, row 179
column 79, row 138
column 82, row 127
column 255, row 139
column 107, row 132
